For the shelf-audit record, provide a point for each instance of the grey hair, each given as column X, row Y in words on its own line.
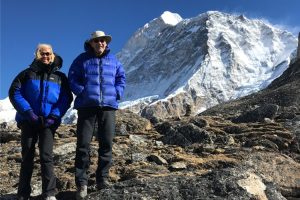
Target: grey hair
column 37, row 52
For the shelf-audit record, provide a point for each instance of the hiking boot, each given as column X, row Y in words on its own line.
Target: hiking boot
column 50, row 198
column 22, row 198
column 103, row 184
column 81, row 192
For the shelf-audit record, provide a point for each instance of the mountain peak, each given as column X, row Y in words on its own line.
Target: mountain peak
column 202, row 61
column 170, row 18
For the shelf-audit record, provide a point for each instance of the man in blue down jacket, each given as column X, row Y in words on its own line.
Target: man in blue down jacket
column 41, row 96
column 97, row 79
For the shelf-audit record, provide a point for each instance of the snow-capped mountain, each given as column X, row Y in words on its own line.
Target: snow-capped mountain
column 201, row 61
column 8, row 113
column 172, row 62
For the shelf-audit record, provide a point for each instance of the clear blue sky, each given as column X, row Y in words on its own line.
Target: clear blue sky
column 67, row 23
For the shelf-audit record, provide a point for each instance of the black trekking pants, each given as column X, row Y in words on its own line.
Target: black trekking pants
column 45, row 137
column 87, row 118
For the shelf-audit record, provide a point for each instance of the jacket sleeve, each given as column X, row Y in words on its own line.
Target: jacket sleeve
column 64, row 101
column 16, row 95
column 120, row 80
column 75, row 77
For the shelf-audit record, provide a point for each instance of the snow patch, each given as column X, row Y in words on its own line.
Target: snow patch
column 171, row 18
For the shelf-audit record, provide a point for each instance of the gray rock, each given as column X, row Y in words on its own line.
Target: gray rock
column 258, row 114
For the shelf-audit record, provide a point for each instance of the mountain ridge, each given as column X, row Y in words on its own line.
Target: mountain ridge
column 174, row 63
column 208, row 59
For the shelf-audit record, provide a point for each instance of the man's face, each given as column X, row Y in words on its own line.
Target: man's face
column 99, row 45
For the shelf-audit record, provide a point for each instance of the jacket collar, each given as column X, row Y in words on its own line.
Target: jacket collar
column 38, row 66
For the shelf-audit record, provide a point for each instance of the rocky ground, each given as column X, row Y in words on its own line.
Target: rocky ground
column 243, row 149
column 191, row 157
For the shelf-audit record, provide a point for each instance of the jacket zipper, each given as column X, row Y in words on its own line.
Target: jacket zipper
column 47, row 89
column 42, row 93
column 100, row 80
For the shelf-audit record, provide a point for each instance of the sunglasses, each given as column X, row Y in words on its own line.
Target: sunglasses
column 96, row 40
column 45, row 53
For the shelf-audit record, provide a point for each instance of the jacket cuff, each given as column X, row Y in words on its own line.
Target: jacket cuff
column 55, row 117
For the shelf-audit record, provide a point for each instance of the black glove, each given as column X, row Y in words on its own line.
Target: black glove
column 50, row 121
column 32, row 117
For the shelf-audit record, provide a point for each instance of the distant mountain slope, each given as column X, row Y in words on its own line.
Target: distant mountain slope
column 283, row 91
column 202, row 61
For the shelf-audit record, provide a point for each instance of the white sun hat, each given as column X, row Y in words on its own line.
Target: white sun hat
column 100, row 34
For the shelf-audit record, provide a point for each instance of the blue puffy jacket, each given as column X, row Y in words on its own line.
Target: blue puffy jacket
column 96, row 81
column 43, row 89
